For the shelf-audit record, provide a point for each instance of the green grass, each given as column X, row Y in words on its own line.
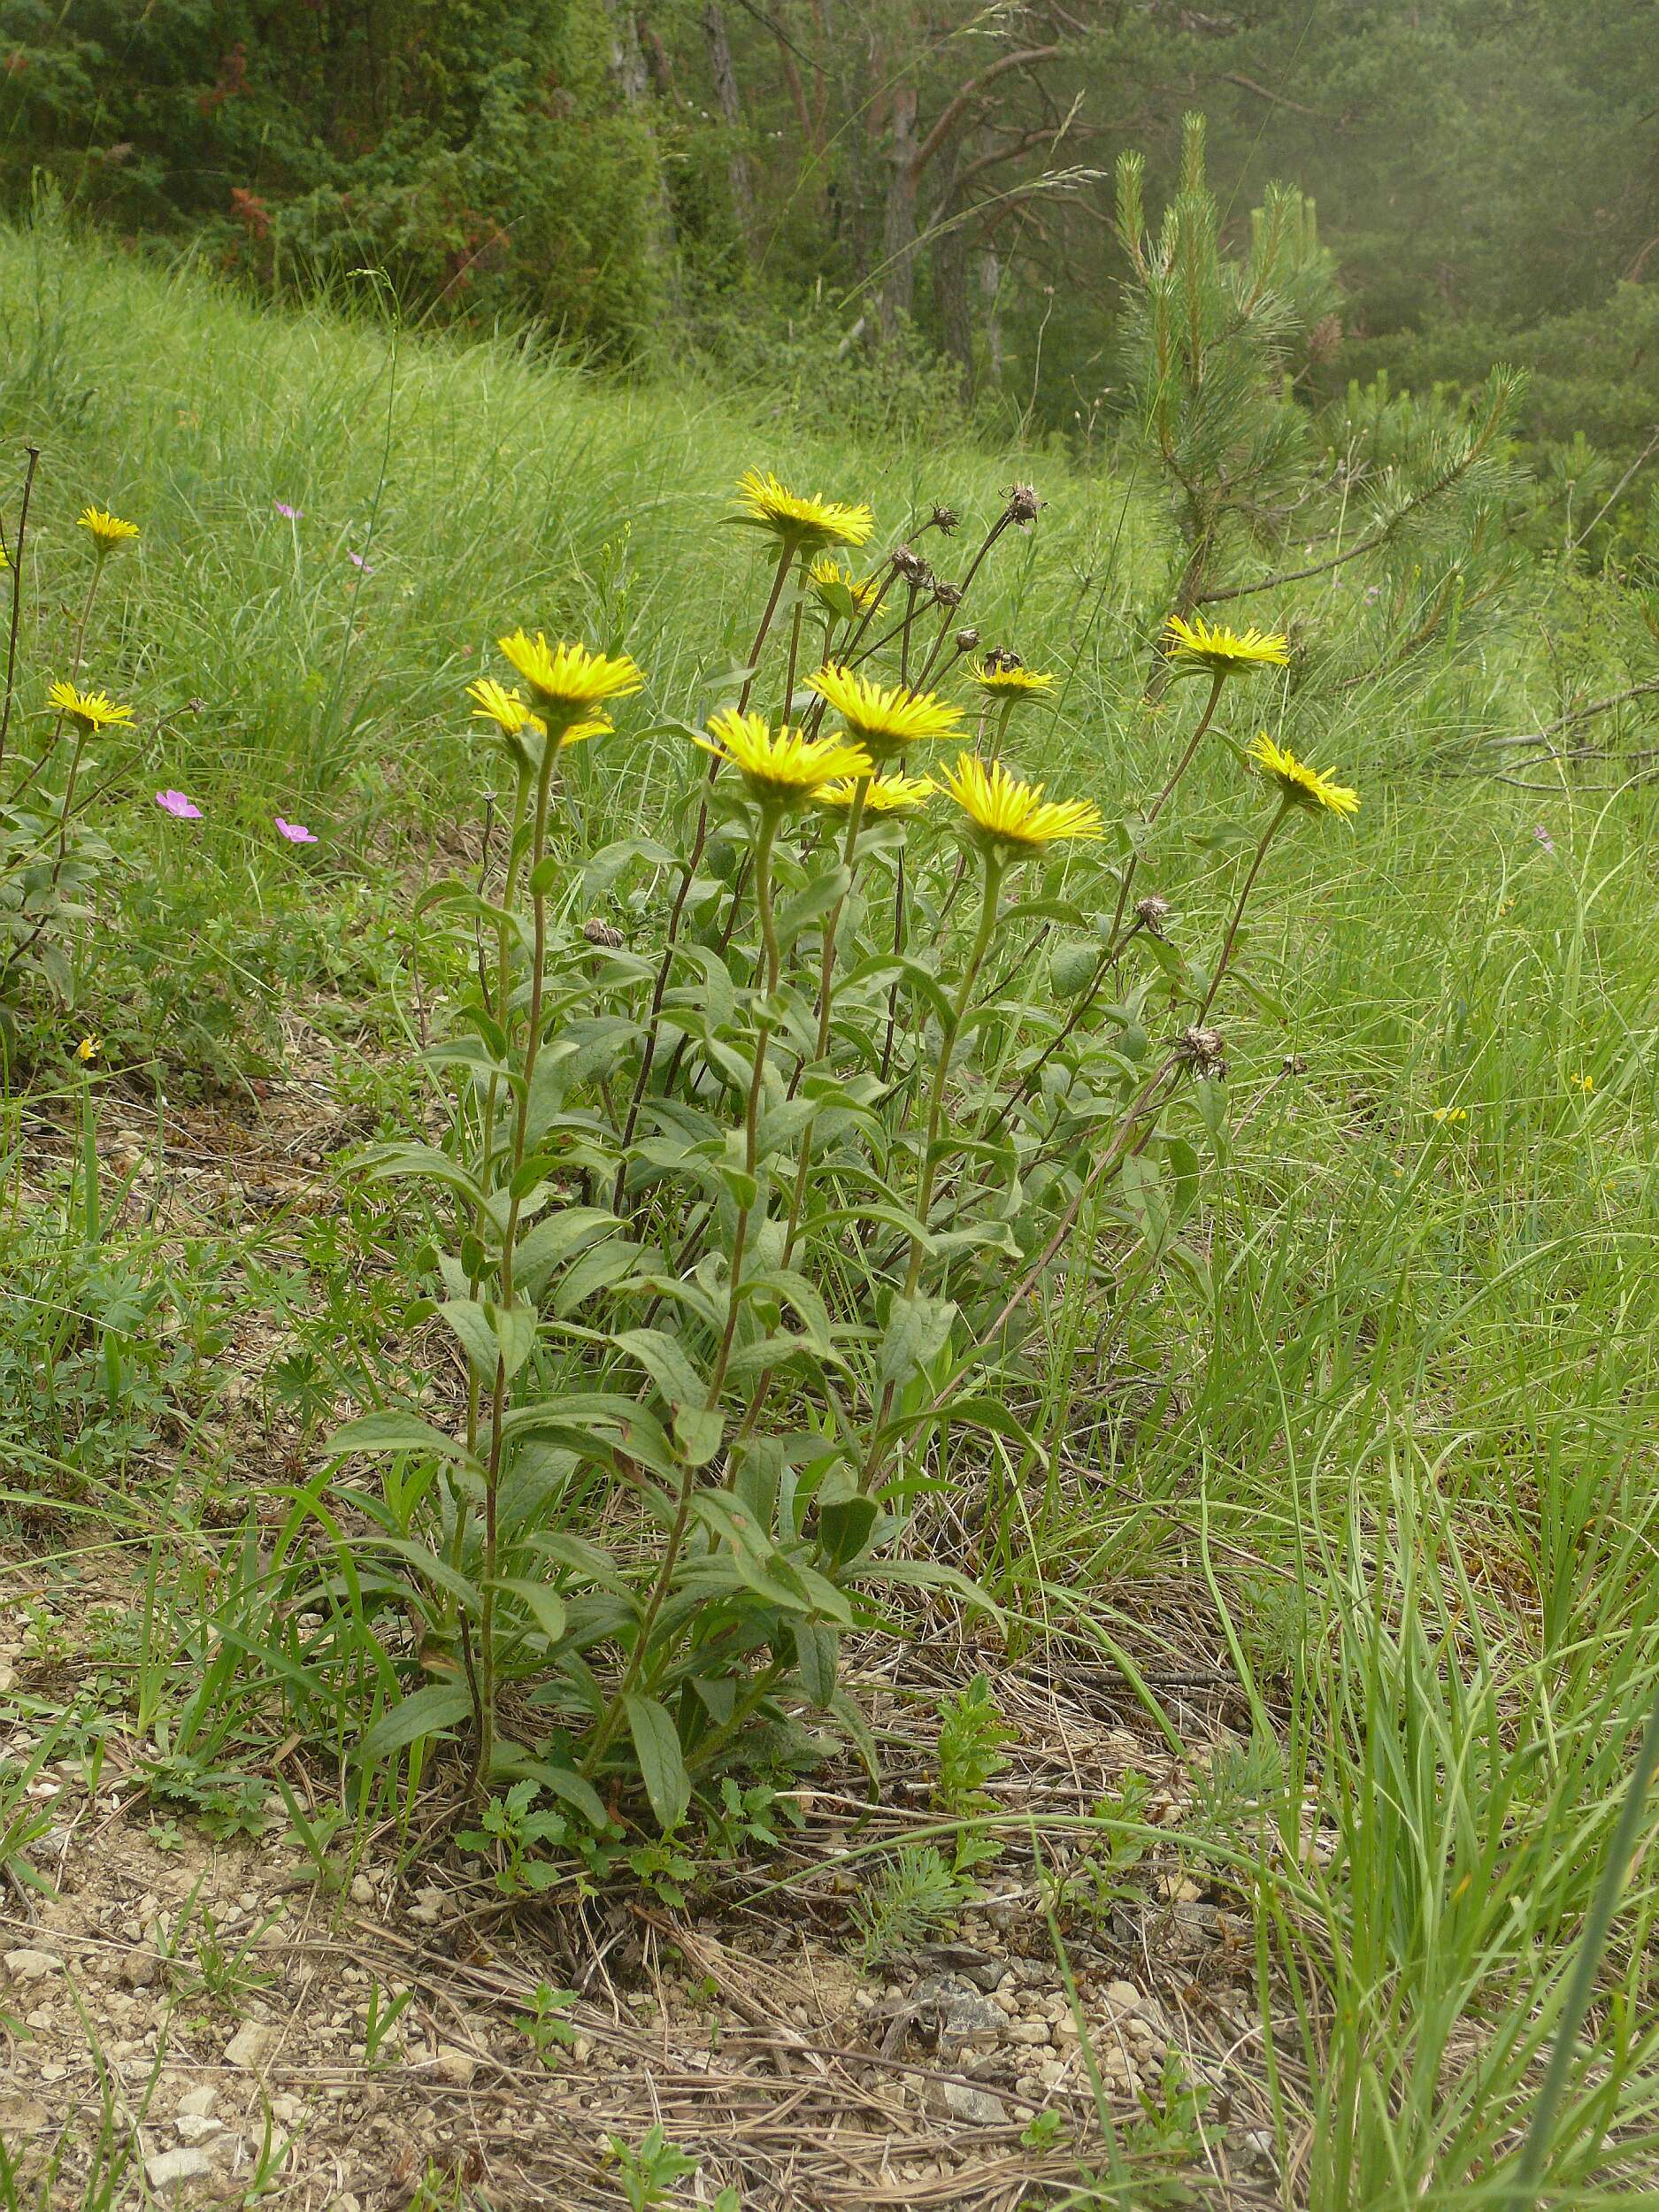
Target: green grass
column 1397, row 1435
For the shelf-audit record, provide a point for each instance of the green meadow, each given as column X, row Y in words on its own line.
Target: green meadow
column 1343, row 1480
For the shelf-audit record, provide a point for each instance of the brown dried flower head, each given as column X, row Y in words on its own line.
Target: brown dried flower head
column 1152, row 913
column 599, row 932
column 1024, row 506
column 1204, row 1052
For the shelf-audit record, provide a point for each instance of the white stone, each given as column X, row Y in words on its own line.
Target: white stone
column 199, row 2102
column 32, row 1966
column 170, row 2170
column 362, row 1890
column 194, row 2127
column 454, row 2065
column 250, row 2046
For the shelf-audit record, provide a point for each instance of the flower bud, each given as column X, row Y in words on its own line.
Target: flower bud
column 968, row 640
column 910, row 565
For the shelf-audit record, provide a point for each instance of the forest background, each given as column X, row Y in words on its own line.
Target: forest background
column 911, row 196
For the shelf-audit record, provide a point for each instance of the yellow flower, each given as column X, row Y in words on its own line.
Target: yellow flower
column 883, row 795
column 1451, row 1113
column 107, row 530
column 1303, row 786
column 826, row 575
column 1002, row 812
column 91, row 710
column 1001, row 681
column 89, row 1048
column 510, row 714
column 884, row 720
column 568, row 679
column 797, row 522
column 1197, row 646
column 1585, row 1083
column 782, row 763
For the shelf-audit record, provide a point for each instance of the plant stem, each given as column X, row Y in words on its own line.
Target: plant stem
column 1238, row 911
column 765, row 838
column 1163, row 797
column 927, row 1164
column 498, row 1401
column 17, row 598
column 659, row 989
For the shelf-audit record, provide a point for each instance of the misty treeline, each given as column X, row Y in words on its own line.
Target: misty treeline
column 913, row 198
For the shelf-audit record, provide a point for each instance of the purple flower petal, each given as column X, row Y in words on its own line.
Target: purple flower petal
column 289, row 514
column 1544, row 837
column 296, row 833
column 175, row 804
column 357, row 560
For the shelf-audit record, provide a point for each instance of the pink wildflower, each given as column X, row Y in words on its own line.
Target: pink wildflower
column 289, row 514
column 296, row 833
column 175, row 804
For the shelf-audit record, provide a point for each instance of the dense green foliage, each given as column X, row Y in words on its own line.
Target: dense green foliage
column 1385, row 1439
column 869, row 189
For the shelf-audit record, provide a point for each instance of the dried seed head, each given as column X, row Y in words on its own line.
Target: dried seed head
column 1001, row 657
column 1293, row 1063
column 598, row 932
column 910, row 565
column 945, row 520
column 968, row 640
column 1204, row 1052
column 1152, row 913
column 1024, row 506
column 946, row 594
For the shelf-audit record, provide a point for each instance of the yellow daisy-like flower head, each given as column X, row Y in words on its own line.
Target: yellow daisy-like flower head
column 1450, row 1115
column 829, row 578
column 568, row 681
column 1303, row 786
column 506, row 708
column 510, row 714
column 90, row 710
column 88, row 1049
column 883, row 795
column 1011, row 819
column 797, row 522
column 1003, row 681
column 106, row 530
column 782, row 766
column 884, row 718
column 1199, row 647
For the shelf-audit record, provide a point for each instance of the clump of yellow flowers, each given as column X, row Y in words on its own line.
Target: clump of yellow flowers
column 758, row 1169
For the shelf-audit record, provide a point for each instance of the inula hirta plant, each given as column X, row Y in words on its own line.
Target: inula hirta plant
column 748, row 1187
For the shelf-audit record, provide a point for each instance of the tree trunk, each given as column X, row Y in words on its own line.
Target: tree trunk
column 948, row 254
column 990, row 293
column 632, row 80
column 898, row 293
column 725, row 74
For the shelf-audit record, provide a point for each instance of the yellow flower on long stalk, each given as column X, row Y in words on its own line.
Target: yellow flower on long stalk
column 567, row 681
column 1300, row 785
column 107, row 531
column 1008, row 682
column 885, row 719
column 883, row 795
column 827, row 575
column 88, row 710
column 780, row 767
column 800, row 522
column 507, row 712
column 1200, row 647
column 1006, row 816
